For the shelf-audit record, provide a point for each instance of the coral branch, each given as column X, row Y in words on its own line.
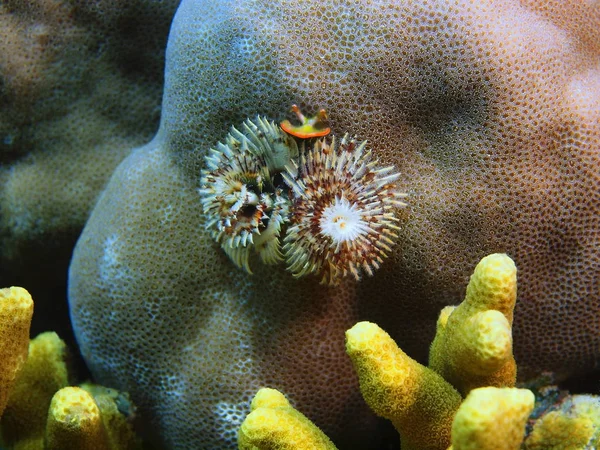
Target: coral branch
column 16, row 309
column 418, row 401
column 473, row 343
column 274, row 424
column 44, row 373
column 492, row 419
column 74, row 422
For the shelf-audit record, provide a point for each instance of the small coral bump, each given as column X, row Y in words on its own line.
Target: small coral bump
column 274, row 424
column 344, row 221
column 74, row 422
column 493, row 285
column 16, row 310
column 311, row 127
column 492, row 419
column 418, row 401
column 244, row 202
column 269, row 398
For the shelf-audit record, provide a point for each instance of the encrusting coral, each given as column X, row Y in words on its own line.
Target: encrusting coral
column 473, row 342
column 488, row 109
column 16, row 309
column 274, row 424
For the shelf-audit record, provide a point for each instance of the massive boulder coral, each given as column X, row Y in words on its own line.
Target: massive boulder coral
column 69, row 71
column 490, row 110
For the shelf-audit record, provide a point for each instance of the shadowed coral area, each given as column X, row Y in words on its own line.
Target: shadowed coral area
column 491, row 112
column 80, row 85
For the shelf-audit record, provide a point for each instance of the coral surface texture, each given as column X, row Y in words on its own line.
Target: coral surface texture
column 489, row 110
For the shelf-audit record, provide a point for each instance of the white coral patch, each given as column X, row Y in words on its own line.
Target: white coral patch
column 232, row 413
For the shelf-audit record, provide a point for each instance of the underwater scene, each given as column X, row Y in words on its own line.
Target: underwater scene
column 299, row 224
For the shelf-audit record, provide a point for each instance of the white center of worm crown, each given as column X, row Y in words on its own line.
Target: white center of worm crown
column 342, row 221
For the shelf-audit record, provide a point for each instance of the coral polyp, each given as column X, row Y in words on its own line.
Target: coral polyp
column 344, row 203
column 244, row 203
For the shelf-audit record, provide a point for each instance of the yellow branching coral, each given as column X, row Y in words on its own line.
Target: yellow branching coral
column 45, row 372
column 473, row 343
column 39, row 411
column 575, row 426
column 16, row 309
column 74, row 422
column 492, row 419
column 418, row 401
column 274, row 424
column 426, row 410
